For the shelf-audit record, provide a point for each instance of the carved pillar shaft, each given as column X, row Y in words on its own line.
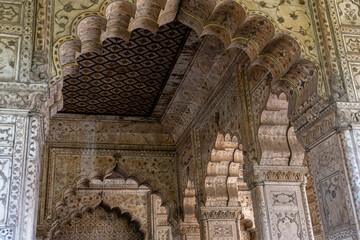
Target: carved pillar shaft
column 21, row 136
column 333, row 142
column 334, row 164
column 261, row 220
column 279, row 203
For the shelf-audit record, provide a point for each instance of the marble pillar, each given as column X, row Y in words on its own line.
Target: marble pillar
column 280, row 204
column 24, row 114
column 21, row 138
column 333, row 143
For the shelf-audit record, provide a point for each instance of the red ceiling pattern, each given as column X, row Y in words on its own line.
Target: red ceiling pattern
column 127, row 78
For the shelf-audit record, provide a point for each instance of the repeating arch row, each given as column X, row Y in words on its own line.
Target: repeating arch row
column 269, row 55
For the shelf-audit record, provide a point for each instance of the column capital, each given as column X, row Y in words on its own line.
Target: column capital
column 258, row 174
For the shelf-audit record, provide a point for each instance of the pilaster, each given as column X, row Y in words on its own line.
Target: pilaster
column 22, row 122
column 280, row 205
column 333, row 142
column 23, row 114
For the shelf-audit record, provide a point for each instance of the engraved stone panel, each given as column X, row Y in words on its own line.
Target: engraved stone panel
column 10, row 13
column 286, row 212
column 222, row 230
column 9, row 51
column 352, row 44
column 348, row 11
column 288, row 226
column 334, row 207
column 284, row 198
column 5, row 173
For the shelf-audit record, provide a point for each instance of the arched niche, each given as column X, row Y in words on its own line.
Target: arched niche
column 133, row 197
column 99, row 223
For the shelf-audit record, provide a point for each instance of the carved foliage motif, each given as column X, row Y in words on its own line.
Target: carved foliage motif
column 284, row 198
column 9, row 47
column 7, row 136
column 287, row 225
column 10, row 13
column 222, row 231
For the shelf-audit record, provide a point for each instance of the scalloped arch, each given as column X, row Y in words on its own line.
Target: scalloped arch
column 55, row 228
column 117, row 19
column 67, row 207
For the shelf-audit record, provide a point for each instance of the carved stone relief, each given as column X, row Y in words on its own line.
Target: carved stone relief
column 9, row 57
column 333, row 195
column 313, row 209
column 10, row 13
column 220, row 113
column 287, row 217
column 99, row 224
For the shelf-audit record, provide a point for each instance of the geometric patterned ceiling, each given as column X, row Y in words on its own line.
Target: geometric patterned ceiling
column 127, row 78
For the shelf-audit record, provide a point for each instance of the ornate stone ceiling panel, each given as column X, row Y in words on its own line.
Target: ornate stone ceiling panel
column 126, row 79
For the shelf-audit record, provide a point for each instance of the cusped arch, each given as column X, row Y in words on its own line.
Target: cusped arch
column 227, row 20
column 90, row 192
column 222, row 172
column 56, row 230
column 275, row 59
column 278, row 142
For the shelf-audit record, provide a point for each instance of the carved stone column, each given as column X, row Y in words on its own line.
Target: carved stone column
column 21, row 138
column 333, row 143
column 280, row 205
column 189, row 229
column 23, row 108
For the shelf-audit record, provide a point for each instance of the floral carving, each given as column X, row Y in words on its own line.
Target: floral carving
column 287, row 224
column 8, row 56
column 67, row 8
column 10, row 13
